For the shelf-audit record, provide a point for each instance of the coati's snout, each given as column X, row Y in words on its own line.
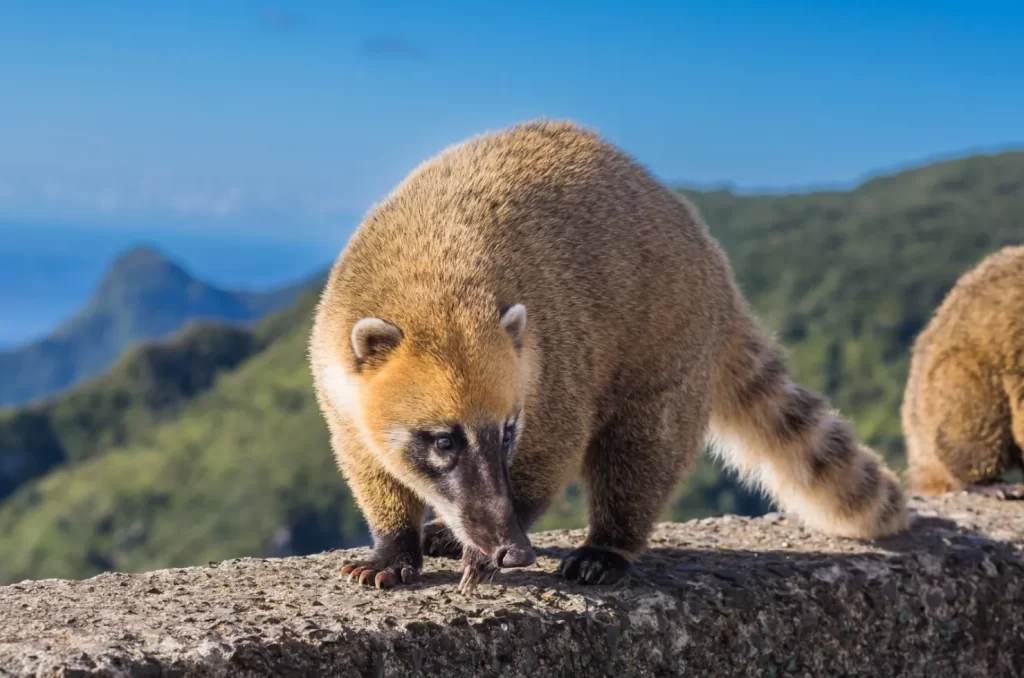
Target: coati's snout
column 511, row 548
column 469, row 469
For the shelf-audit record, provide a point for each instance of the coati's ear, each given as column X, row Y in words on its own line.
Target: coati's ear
column 513, row 320
column 374, row 338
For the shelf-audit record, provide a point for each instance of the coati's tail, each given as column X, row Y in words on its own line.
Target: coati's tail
column 786, row 440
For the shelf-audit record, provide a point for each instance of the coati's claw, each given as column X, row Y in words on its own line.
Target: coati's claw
column 439, row 541
column 593, row 565
column 476, row 568
column 368, row 573
column 468, row 582
column 1004, row 491
column 471, row 577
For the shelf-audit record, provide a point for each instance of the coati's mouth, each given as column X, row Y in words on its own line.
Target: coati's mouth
column 507, row 545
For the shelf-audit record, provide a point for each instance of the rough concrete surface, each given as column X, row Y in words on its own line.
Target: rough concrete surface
column 723, row 597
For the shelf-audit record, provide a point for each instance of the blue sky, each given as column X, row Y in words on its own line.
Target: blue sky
column 289, row 120
column 246, row 138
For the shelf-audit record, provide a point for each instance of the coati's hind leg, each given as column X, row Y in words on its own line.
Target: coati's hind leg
column 966, row 434
column 630, row 470
column 1014, row 384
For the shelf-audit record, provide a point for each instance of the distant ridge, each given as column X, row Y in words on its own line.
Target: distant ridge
column 143, row 296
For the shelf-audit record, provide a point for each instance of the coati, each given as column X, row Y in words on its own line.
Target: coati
column 963, row 407
column 531, row 306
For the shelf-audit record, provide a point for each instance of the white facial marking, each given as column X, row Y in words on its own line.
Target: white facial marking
column 450, row 514
column 397, row 438
column 437, row 459
column 343, row 390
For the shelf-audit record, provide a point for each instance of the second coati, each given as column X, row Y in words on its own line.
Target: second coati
column 963, row 407
column 529, row 307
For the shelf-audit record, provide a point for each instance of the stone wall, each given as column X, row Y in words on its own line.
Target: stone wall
column 718, row 597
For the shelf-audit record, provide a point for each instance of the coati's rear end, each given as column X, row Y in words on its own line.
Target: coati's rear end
column 530, row 307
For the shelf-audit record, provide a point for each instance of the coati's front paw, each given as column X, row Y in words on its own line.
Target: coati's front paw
column 476, row 567
column 439, row 541
column 593, row 565
column 377, row 572
column 1005, row 491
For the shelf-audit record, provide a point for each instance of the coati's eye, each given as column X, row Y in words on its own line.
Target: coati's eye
column 435, row 451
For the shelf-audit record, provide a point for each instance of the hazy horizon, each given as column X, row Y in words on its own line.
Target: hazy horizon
column 49, row 270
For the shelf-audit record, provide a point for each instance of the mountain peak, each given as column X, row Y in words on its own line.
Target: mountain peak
column 141, row 253
column 142, row 259
column 141, row 268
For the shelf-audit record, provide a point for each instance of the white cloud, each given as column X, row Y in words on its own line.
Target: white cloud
column 208, row 203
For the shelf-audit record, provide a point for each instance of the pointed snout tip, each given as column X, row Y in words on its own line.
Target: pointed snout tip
column 515, row 556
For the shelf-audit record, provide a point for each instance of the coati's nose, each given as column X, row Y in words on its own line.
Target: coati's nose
column 515, row 556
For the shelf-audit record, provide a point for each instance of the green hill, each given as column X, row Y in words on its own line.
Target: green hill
column 142, row 296
column 244, row 469
column 846, row 278
column 149, row 385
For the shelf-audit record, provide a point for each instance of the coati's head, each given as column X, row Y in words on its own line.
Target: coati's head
column 444, row 409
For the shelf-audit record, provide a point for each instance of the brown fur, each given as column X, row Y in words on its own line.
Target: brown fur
column 963, row 408
column 637, row 346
